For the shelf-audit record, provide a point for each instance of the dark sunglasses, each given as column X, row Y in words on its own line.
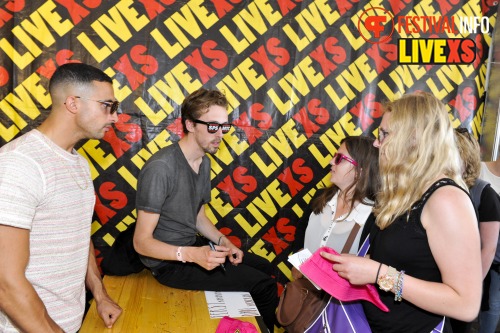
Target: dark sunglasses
column 213, row 127
column 111, row 106
column 337, row 159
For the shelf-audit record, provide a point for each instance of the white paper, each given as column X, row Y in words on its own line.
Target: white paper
column 231, row 304
column 298, row 259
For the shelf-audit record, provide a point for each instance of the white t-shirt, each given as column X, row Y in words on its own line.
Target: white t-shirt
column 48, row 191
column 322, row 230
column 487, row 175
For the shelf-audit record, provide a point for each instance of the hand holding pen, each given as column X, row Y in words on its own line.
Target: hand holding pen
column 212, row 247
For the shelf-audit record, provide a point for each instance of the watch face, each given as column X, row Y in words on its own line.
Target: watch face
column 386, row 282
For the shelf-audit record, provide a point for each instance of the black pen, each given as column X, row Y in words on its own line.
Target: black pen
column 212, row 246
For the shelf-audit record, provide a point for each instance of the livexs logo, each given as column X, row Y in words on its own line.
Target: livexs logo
column 421, row 39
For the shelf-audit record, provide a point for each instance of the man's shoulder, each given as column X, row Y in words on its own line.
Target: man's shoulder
column 23, row 142
column 165, row 153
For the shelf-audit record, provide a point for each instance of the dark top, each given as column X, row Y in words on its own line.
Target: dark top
column 489, row 208
column 404, row 245
column 167, row 185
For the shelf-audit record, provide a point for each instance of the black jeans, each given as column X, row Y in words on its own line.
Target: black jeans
column 252, row 275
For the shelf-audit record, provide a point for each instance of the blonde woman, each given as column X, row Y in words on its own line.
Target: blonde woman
column 425, row 249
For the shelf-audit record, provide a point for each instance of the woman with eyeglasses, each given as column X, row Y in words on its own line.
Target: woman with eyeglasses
column 425, row 252
column 340, row 211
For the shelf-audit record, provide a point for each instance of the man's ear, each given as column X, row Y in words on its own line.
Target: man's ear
column 71, row 104
column 189, row 125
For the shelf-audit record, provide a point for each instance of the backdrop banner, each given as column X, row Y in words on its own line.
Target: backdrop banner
column 300, row 75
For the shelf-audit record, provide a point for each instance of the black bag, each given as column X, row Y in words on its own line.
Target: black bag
column 122, row 259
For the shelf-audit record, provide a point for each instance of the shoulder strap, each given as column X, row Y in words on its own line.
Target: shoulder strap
column 350, row 239
column 476, row 190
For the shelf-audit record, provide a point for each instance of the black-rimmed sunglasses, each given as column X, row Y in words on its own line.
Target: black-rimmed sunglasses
column 111, row 105
column 213, row 127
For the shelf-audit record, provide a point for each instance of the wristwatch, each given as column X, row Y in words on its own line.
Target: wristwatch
column 387, row 282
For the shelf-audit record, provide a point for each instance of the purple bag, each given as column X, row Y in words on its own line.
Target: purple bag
column 341, row 317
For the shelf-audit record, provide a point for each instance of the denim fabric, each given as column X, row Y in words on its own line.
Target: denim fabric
column 488, row 320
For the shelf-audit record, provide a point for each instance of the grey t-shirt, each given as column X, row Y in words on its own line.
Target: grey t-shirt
column 168, row 186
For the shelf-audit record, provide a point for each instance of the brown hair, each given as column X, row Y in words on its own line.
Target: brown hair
column 366, row 180
column 198, row 102
column 469, row 150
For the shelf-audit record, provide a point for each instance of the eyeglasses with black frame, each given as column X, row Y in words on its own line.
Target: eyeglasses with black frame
column 112, row 106
column 338, row 157
column 382, row 135
column 213, row 127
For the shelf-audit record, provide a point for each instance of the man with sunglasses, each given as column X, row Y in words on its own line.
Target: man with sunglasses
column 173, row 188
column 46, row 206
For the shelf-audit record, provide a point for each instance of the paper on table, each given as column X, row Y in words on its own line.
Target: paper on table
column 230, row 303
column 300, row 257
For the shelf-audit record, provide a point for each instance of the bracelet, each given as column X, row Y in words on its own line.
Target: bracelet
column 218, row 242
column 179, row 254
column 378, row 272
column 398, row 294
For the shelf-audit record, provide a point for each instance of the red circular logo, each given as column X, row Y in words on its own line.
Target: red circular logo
column 4, row 76
column 376, row 25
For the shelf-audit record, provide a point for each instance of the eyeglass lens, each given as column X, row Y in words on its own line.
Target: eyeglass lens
column 214, row 127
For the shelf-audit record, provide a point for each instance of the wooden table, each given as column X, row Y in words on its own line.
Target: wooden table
column 149, row 306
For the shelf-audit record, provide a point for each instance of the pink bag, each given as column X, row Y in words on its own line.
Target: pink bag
column 231, row 325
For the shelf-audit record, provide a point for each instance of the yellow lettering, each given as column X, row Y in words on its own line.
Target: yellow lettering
column 206, row 18
column 267, row 169
column 103, row 160
column 242, row 28
column 154, row 116
column 277, row 194
column 171, row 50
column 131, row 14
column 271, row 15
column 439, row 93
column 259, row 249
column 20, row 60
column 221, row 208
column 251, row 230
column 356, row 42
column 128, row 176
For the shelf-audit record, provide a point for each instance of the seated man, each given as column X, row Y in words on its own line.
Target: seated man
column 173, row 187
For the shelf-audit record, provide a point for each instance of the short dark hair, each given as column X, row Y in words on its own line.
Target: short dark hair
column 77, row 73
column 198, row 102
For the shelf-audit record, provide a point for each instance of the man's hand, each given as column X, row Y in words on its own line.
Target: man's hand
column 205, row 257
column 235, row 254
column 108, row 310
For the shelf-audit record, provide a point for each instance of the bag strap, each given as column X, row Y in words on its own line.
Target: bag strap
column 350, row 238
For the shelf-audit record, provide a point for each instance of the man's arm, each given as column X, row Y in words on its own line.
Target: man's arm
column 207, row 229
column 108, row 310
column 18, row 299
column 147, row 245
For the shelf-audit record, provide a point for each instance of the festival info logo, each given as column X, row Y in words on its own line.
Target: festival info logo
column 421, row 44
column 376, row 25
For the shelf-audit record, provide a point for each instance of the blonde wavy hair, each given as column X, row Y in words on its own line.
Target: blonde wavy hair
column 419, row 148
column 470, row 153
